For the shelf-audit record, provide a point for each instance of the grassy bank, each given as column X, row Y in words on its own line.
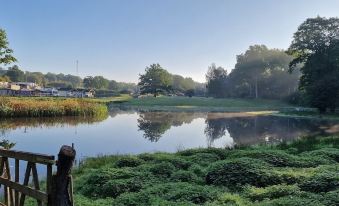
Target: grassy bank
column 305, row 172
column 165, row 103
column 49, row 107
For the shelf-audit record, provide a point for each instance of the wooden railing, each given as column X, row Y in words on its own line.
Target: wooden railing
column 56, row 185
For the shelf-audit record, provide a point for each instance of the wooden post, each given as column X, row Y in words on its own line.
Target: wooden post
column 61, row 180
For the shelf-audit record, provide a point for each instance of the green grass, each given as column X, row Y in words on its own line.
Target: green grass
column 204, row 104
column 303, row 172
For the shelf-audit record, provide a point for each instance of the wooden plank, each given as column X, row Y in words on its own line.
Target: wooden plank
column 26, row 180
column 25, row 190
column 27, row 156
column 36, row 180
column 9, row 190
column 49, row 182
column 17, row 178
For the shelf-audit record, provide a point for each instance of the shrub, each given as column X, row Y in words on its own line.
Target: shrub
column 163, row 169
column 321, row 182
column 204, row 159
column 308, row 199
column 128, row 161
column 279, row 158
column 184, row 176
column 181, row 193
column 331, row 198
column 109, row 182
column 271, row 192
column 324, row 153
column 230, row 200
column 198, row 170
column 239, row 172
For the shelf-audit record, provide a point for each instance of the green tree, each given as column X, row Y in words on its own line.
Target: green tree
column 113, row 85
column 15, row 74
column 5, row 52
column 97, row 82
column 262, row 73
column 216, row 78
column 36, row 77
column 315, row 46
column 155, row 80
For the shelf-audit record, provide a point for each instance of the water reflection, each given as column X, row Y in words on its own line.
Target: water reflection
column 135, row 131
column 243, row 128
column 9, row 124
column 155, row 124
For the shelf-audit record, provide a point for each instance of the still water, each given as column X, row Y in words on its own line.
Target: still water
column 134, row 132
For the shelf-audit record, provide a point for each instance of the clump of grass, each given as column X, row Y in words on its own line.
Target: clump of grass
column 49, row 107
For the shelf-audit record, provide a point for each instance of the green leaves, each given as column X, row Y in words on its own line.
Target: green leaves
column 5, row 52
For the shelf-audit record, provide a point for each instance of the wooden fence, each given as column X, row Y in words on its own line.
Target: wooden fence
column 58, row 190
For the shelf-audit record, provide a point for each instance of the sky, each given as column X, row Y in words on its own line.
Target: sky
column 117, row 39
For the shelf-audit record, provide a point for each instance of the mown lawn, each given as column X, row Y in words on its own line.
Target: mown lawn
column 304, row 172
column 205, row 104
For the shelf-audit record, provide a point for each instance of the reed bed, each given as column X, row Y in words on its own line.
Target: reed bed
column 49, row 107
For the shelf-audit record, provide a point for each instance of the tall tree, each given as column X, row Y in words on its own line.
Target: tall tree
column 261, row 72
column 315, row 46
column 5, row 52
column 216, row 78
column 155, row 80
column 15, row 74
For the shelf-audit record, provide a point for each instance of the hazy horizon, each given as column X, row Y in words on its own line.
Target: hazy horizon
column 118, row 39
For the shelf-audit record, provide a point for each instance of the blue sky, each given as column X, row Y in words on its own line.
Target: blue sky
column 119, row 38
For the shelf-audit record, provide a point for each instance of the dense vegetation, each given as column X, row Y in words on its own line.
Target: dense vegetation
column 49, row 107
column 259, row 73
column 304, row 172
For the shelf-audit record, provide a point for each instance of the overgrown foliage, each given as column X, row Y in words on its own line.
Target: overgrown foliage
column 285, row 174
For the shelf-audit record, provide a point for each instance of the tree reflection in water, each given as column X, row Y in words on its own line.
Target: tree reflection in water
column 244, row 130
column 155, row 124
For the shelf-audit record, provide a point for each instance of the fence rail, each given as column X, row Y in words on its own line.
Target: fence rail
column 57, row 191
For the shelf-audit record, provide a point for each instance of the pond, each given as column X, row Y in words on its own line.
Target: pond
column 134, row 132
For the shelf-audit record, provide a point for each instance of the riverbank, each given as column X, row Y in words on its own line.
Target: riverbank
column 50, row 107
column 304, row 172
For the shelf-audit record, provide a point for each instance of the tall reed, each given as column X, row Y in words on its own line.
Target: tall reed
column 49, row 107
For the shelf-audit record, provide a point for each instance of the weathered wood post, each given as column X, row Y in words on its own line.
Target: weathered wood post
column 61, row 180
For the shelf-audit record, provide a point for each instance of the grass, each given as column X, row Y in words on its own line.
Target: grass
column 55, row 106
column 303, row 172
column 201, row 104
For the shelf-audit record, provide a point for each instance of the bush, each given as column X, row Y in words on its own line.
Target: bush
column 170, row 193
column 308, row 199
column 331, row 198
column 163, row 169
column 324, row 153
column 184, row 176
column 198, row 170
column 279, row 158
column 271, row 192
column 204, row 159
column 321, row 182
column 109, row 182
column 230, row 200
column 239, row 172
column 128, row 161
